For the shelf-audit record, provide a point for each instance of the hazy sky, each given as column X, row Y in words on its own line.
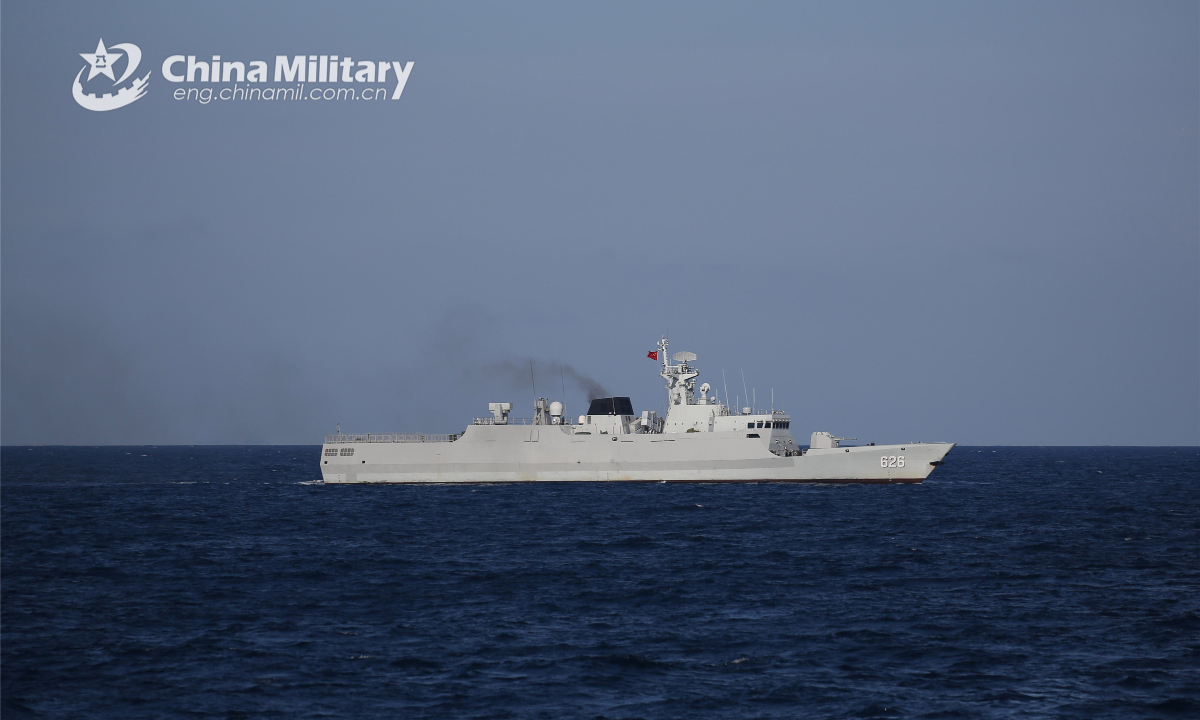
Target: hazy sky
column 973, row 222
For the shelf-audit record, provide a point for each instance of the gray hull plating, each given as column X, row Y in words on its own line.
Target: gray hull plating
column 541, row 453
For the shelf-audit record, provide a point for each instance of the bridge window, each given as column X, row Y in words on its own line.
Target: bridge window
column 760, row 423
column 347, row 452
column 331, row 452
column 750, row 426
column 768, row 425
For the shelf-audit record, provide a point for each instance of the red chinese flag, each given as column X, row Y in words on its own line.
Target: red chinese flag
column 653, row 354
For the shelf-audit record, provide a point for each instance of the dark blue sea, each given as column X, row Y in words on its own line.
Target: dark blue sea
column 198, row 582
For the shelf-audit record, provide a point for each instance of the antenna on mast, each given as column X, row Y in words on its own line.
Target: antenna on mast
column 744, row 387
column 726, row 387
column 564, row 389
column 532, row 382
column 666, row 363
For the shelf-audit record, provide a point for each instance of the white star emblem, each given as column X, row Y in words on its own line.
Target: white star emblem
column 101, row 61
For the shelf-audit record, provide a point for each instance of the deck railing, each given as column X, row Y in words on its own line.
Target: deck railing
column 389, row 438
column 510, row 421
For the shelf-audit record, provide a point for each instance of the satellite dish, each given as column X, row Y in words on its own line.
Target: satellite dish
column 683, row 356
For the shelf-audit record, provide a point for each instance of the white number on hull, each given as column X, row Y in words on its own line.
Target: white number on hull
column 891, row 461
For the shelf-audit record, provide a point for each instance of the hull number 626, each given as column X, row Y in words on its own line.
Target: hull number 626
column 890, row 461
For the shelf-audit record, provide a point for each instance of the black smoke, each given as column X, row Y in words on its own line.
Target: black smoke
column 547, row 374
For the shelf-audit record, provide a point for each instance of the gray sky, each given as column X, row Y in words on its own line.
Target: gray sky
column 919, row 221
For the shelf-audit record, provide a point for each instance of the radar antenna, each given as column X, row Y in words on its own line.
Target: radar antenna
column 680, row 378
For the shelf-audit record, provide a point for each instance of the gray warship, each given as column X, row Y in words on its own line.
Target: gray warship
column 699, row 440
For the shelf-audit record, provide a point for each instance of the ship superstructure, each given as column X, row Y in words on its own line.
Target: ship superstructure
column 699, row 440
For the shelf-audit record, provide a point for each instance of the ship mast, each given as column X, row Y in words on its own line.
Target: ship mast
column 680, row 378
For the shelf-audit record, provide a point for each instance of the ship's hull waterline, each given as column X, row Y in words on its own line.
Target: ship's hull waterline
column 501, row 454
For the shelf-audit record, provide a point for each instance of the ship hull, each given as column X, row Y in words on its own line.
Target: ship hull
column 547, row 453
